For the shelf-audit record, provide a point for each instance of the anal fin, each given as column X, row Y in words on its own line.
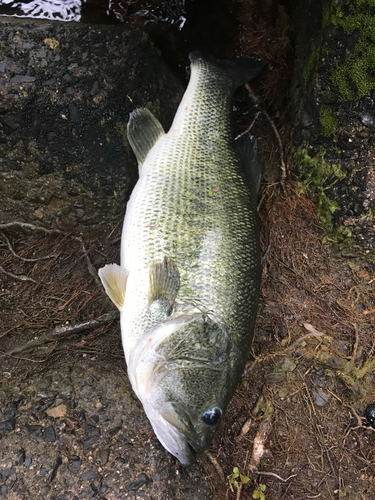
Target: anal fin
column 114, row 279
column 144, row 130
column 164, row 286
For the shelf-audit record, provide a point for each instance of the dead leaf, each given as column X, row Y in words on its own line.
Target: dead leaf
column 312, row 329
column 57, row 411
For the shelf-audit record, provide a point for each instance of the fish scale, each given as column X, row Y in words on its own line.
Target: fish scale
column 192, row 210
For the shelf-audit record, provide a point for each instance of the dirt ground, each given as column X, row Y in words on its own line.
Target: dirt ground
column 309, row 378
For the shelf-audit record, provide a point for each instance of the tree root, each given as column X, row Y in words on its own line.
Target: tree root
column 26, row 225
column 60, row 332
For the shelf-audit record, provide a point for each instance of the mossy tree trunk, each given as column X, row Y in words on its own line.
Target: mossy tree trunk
column 333, row 96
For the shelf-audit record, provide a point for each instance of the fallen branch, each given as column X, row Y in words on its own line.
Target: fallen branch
column 63, row 331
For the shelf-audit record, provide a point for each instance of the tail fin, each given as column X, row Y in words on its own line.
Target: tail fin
column 240, row 70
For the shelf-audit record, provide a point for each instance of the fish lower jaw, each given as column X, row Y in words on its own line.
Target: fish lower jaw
column 172, row 439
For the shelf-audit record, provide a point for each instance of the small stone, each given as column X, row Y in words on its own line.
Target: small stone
column 51, row 81
column 114, row 430
column 104, row 455
column 45, row 490
column 39, row 213
column 43, row 472
column 367, row 120
column 143, row 479
column 5, row 473
column 95, row 88
column 83, row 494
column 7, row 425
column 88, row 475
column 34, row 431
column 22, row 79
column 7, row 65
column 288, row 365
column 73, row 403
column 93, row 490
column 321, row 397
column 283, row 393
column 76, row 461
column 28, row 460
column 44, row 384
column 275, row 377
column 49, row 434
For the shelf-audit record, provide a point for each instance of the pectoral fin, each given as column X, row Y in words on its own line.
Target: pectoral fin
column 164, row 285
column 144, row 130
column 114, row 279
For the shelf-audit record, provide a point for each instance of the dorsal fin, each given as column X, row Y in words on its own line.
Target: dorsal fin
column 144, row 130
column 164, row 286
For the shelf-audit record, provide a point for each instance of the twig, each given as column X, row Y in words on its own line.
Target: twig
column 23, row 258
column 263, row 473
column 27, row 225
column 249, row 127
column 62, row 331
column 300, row 340
column 20, row 277
column 217, row 466
column 90, row 267
column 257, row 103
column 309, row 396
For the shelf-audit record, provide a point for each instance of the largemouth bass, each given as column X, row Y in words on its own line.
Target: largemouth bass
column 190, row 271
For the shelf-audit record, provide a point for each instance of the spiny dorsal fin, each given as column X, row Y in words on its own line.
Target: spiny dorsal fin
column 164, row 285
column 144, row 130
column 252, row 162
column 114, row 279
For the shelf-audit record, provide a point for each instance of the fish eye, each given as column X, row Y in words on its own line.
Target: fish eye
column 212, row 416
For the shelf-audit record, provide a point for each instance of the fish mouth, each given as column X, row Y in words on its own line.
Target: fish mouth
column 170, row 437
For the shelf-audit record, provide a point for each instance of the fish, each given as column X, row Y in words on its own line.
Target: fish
column 188, row 283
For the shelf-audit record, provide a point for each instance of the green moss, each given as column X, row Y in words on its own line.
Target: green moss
column 317, row 171
column 311, row 63
column 353, row 77
column 328, row 121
